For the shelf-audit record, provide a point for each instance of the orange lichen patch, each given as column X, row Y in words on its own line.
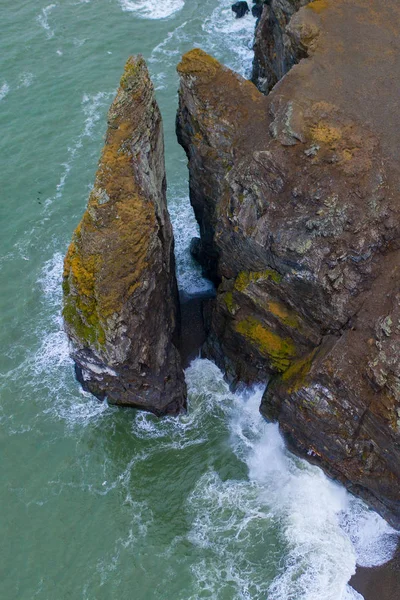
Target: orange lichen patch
column 324, row 133
column 79, row 285
column 280, row 351
column 323, row 108
column 318, row 5
column 115, row 169
column 285, row 315
column 347, row 154
column 126, row 253
column 82, row 271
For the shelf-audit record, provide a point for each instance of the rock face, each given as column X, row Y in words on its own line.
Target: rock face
column 275, row 48
column 120, row 292
column 296, row 194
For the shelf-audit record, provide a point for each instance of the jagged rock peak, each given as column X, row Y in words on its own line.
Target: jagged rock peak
column 120, row 293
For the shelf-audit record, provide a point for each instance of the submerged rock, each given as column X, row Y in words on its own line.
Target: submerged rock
column 240, row 9
column 120, row 292
column 256, row 11
column 296, row 195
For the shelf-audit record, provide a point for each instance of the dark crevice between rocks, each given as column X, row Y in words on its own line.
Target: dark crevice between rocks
column 276, row 50
column 194, row 328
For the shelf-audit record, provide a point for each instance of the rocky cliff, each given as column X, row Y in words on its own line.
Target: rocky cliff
column 296, row 194
column 120, row 293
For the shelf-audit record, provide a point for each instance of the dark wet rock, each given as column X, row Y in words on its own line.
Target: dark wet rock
column 240, row 9
column 206, row 257
column 296, row 195
column 256, row 10
column 276, row 50
column 120, row 293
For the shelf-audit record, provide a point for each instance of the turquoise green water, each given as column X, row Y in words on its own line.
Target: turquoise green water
column 99, row 503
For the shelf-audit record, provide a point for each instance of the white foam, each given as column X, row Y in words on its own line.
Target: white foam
column 324, row 531
column 51, row 277
column 170, row 46
column 50, row 367
column 43, row 20
column 185, row 227
column 373, row 539
column 26, row 79
column 4, row 90
column 148, row 9
column 230, row 37
column 189, row 429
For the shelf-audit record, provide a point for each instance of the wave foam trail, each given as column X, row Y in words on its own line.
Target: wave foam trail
column 43, row 20
column 26, row 79
column 49, row 367
column 148, row 9
column 232, row 36
column 92, row 106
column 321, row 530
column 4, row 89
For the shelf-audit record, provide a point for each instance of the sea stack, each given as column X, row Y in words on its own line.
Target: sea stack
column 297, row 197
column 121, row 308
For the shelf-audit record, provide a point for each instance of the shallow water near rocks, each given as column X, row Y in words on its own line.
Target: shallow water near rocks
column 101, row 503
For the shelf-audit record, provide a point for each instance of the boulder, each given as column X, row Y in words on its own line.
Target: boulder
column 256, row 10
column 296, row 195
column 240, row 9
column 121, row 310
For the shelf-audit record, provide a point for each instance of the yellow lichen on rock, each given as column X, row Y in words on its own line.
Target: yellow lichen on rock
column 318, row 5
column 244, row 278
column 198, row 62
column 280, row 351
column 286, row 316
column 325, row 133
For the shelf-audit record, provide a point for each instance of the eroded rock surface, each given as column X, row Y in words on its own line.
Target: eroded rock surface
column 296, row 194
column 120, row 292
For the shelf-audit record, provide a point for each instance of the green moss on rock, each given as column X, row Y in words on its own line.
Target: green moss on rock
column 296, row 375
column 244, row 278
column 229, row 302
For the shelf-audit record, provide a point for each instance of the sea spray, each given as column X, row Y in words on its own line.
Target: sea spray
column 152, row 10
column 323, row 530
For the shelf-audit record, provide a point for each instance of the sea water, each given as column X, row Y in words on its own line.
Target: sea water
column 98, row 502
